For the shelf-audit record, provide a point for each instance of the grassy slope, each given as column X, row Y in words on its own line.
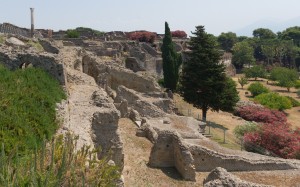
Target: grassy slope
column 27, row 107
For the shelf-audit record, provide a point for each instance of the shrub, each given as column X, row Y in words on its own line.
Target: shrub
column 255, row 72
column 278, row 139
column 294, row 102
column 143, row 36
column 285, row 77
column 243, row 81
column 178, row 34
column 248, row 127
column 57, row 164
column 71, row 33
column 257, row 88
column 298, row 93
column 259, row 114
column 161, row 82
column 297, row 84
column 274, row 101
column 27, row 107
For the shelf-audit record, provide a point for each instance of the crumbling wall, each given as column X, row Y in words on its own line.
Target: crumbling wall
column 146, row 107
column 170, row 151
column 16, row 59
column 114, row 75
column 220, row 177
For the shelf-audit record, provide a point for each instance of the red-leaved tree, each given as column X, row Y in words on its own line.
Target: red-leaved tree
column 178, row 34
column 143, row 36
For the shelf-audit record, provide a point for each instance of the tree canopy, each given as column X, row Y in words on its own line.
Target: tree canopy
column 264, row 33
column 227, row 40
column 242, row 54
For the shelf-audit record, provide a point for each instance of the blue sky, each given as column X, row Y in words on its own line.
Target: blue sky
column 107, row 15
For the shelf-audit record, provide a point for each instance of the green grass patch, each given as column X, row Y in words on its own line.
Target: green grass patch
column 2, row 39
column 28, row 99
column 36, row 45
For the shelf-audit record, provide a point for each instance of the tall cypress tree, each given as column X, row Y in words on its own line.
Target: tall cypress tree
column 171, row 60
column 203, row 77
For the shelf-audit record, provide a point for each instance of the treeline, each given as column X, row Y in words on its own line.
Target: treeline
column 264, row 47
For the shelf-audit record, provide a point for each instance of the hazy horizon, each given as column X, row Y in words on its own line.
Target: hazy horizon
column 115, row 15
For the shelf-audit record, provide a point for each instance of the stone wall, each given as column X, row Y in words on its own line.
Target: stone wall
column 170, row 150
column 114, row 75
column 14, row 59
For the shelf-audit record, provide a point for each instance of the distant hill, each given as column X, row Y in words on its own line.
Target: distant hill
column 274, row 25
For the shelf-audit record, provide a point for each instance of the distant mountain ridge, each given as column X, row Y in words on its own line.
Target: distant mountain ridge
column 275, row 26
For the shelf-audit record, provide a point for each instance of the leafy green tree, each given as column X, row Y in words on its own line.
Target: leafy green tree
column 292, row 33
column 274, row 101
column 285, row 77
column 171, row 61
column 243, row 81
column 242, row 54
column 268, row 49
column 263, row 33
column 203, row 77
column 255, row 72
column 227, row 40
column 257, row 89
column 229, row 96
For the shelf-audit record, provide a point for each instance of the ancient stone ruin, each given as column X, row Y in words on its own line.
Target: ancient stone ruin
column 107, row 80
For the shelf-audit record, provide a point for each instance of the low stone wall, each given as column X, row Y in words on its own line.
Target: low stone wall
column 170, row 150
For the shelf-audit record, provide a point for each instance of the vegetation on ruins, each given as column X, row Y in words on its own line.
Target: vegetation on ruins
column 72, row 33
column 243, row 81
column 56, row 164
column 94, row 32
column 274, row 101
column 178, row 34
column 142, row 36
column 257, row 88
column 27, row 107
column 227, row 41
column 203, row 78
column 171, row 61
column 285, row 77
column 255, row 72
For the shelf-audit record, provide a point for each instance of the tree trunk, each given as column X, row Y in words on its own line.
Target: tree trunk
column 204, row 112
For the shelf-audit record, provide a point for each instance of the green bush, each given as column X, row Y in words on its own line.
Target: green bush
column 255, row 72
column 240, row 130
column 57, row 164
column 72, row 33
column 257, row 88
column 28, row 100
column 274, row 101
column 294, row 102
column 285, row 77
column 161, row 82
column 297, row 84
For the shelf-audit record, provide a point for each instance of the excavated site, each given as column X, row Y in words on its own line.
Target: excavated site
column 115, row 102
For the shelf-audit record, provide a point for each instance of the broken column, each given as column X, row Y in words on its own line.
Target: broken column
column 32, row 22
